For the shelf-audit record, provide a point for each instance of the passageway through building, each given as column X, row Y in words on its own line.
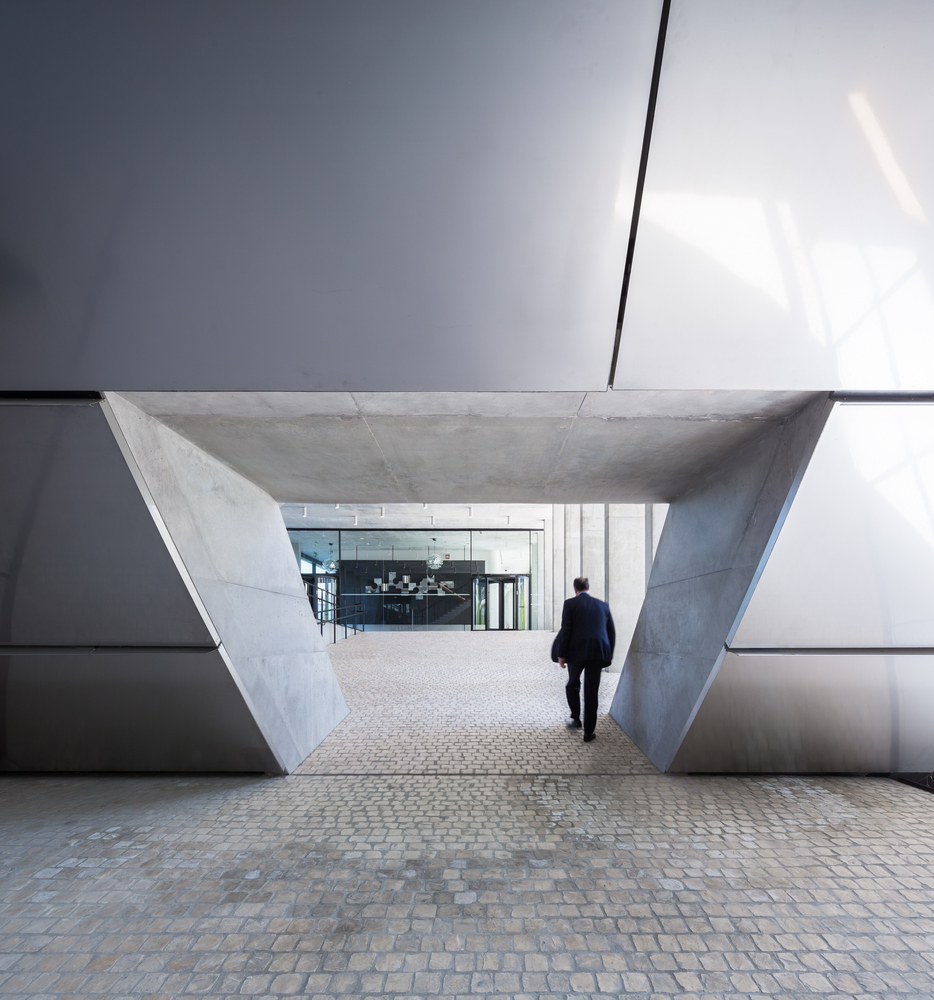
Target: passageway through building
column 463, row 703
column 451, row 838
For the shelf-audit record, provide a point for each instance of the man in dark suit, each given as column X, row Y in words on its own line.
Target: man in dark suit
column 586, row 647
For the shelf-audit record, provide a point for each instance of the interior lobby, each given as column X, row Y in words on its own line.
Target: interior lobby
column 336, row 340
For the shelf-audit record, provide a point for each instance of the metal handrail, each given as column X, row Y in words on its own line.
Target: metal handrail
column 337, row 618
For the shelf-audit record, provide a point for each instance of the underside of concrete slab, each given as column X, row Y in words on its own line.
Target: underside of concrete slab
column 460, row 447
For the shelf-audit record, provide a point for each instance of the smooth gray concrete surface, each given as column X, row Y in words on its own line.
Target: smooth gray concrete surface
column 233, row 543
column 81, row 561
column 715, row 541
column 527, row 447
column 850, row 713
column 593, row 540
column 627, row 575
column 318, row 196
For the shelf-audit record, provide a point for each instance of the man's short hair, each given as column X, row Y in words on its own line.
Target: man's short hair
column 581, row 583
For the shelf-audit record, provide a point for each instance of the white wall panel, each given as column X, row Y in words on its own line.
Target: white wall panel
column 854, row 562
column 784, row 239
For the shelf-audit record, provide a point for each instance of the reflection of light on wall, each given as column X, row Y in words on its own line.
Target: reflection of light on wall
column 732, row 231
column 908, row 314
column 845, row 283
column 881, row 314
column 802, row 273
column 879, row 144
column 893, row 449
column 890, row 265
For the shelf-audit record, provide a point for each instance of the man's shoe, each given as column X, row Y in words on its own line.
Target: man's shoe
column 574, row 723
column 589, row 737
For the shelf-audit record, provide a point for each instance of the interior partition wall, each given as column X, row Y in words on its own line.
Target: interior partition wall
column 434, row 579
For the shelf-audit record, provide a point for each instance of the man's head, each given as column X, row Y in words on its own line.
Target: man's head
column 581, row 584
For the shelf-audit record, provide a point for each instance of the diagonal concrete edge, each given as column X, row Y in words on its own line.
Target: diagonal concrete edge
column 716, row 541
column 230, row 543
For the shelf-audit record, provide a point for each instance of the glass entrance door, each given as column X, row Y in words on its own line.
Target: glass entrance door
column 322, row 592
column 501, row 603
column 509, row 604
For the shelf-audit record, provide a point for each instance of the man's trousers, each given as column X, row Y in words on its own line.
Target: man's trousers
column 592, row 670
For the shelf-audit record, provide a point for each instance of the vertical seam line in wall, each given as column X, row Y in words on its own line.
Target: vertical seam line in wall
column 606, row 552
column 564, row 441
column 640, row 184
column 389, row 467
column 649, row 541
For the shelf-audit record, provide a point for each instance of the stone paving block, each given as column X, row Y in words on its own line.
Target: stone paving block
column 558, row 873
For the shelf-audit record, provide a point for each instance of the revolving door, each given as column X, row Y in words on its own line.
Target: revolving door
column 501, row 603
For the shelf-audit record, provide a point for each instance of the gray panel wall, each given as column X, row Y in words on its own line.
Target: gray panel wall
column 81, row 560
column 107, row 661
column 159, row 628
column 132, row 710
column 318, row 195
column 714, row 544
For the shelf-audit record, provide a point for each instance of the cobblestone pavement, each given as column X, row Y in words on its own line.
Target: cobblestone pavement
column 464, row 703
column 420, row 885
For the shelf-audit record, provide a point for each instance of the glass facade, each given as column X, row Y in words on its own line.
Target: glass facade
column 317, row 551
column 424, row 579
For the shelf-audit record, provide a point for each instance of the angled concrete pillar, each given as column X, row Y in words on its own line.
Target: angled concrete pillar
column 832, row 666
column 151, row 617
column 715, row 543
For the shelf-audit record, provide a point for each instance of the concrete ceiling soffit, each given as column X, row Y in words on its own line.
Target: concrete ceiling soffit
column 471, row 447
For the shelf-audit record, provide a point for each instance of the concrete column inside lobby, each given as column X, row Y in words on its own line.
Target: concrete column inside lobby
column 611, row 540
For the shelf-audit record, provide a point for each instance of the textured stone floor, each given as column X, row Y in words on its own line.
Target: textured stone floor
column 464, row 703
column 407, row 884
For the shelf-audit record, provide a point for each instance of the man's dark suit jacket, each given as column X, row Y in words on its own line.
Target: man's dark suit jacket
column 587, row 631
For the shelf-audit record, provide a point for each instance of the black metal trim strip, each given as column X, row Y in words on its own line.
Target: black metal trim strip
column 36, row 398
column 912, row 778
column 855, row 396
column 48, row 650
column 640, row 184
column 830, row 650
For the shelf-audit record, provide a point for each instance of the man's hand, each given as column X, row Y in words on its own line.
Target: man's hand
column 561, row 663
